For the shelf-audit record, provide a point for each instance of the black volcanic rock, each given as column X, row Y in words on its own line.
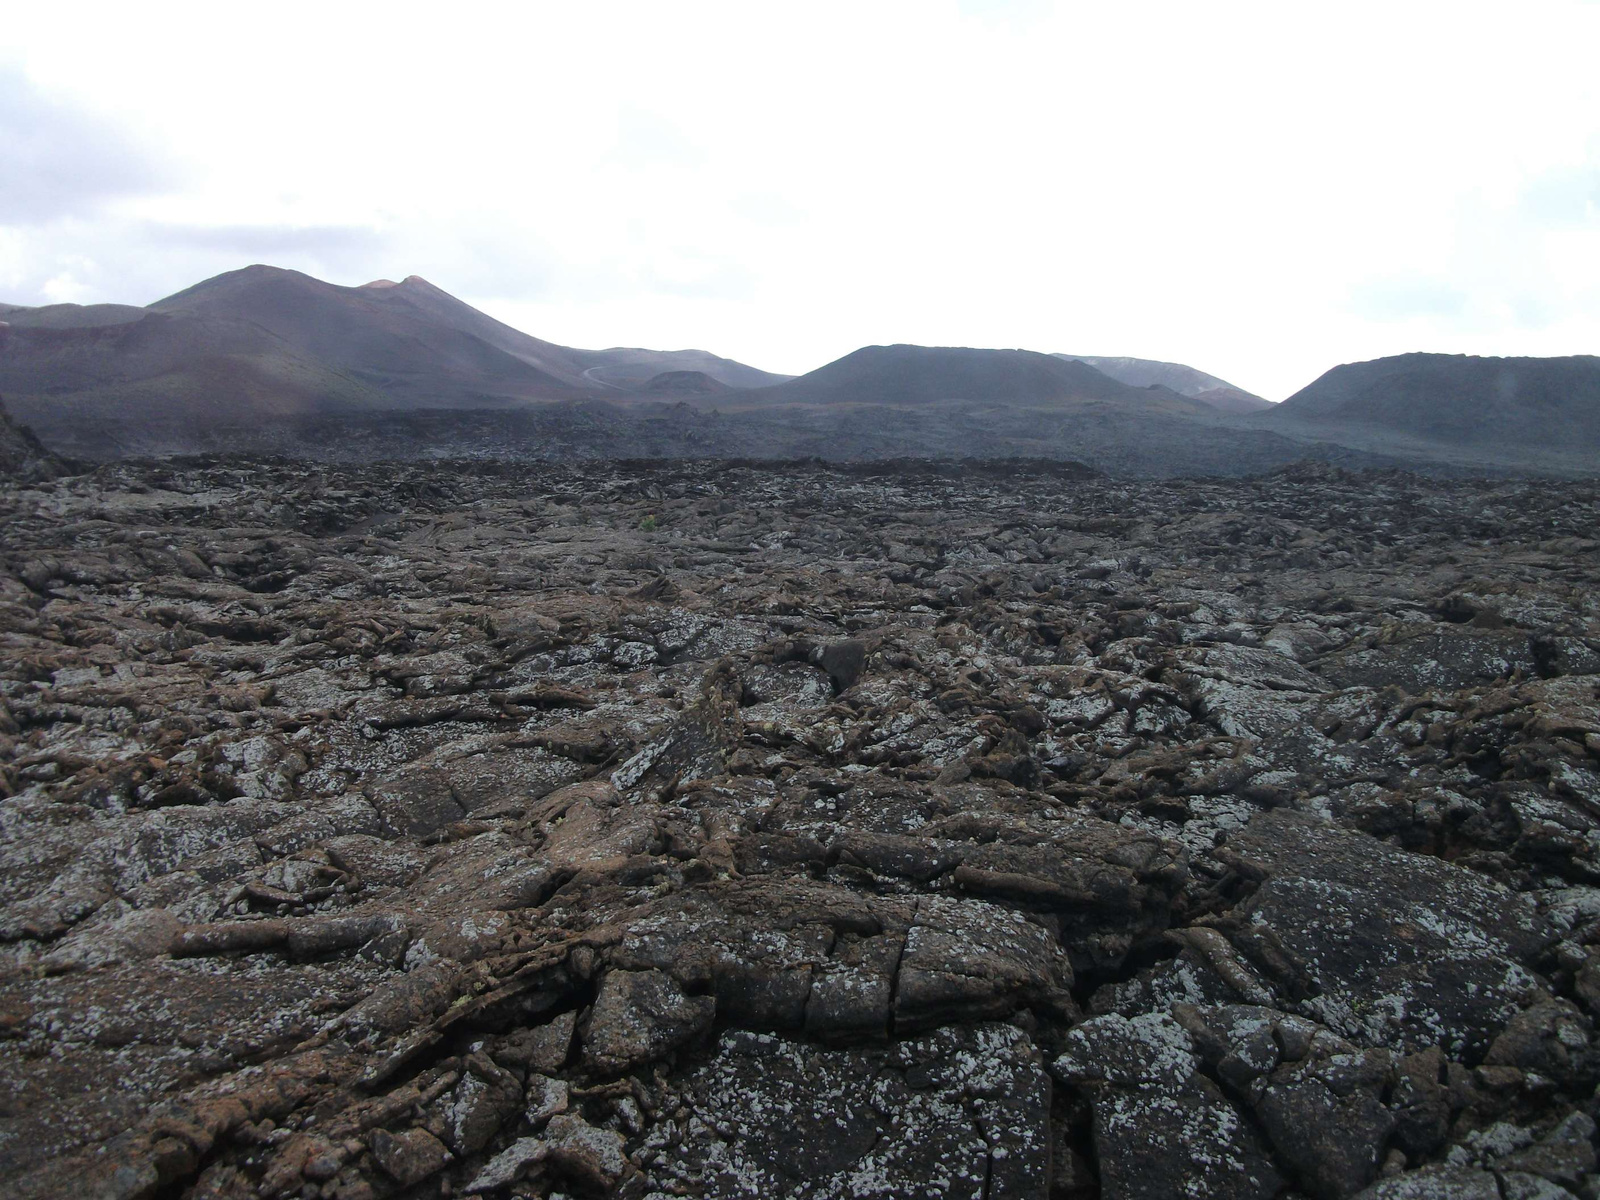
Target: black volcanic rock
column 1137, row 444
column 742, row 830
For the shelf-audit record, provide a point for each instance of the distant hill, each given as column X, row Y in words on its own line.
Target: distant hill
column 917, row 375
column 1186, row 381
column 1513, row 411
column 69, row 316
column 266, row 343
column 625, row 368
column 684, row 383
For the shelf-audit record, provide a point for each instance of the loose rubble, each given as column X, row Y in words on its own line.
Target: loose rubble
column 736, row 829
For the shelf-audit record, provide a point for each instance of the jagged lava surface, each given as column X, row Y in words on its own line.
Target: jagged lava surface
column 727, row 830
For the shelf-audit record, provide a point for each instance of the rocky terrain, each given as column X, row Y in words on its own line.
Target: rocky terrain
column 736, row 830
column 681, row 415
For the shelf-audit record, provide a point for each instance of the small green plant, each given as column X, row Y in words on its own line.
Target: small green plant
column 648, row 525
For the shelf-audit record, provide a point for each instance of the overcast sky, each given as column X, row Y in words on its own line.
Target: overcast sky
column 1261, row 191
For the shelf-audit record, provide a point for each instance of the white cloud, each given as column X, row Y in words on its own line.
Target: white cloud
column 57, row 160
column 66, row 288
column 1259, row 189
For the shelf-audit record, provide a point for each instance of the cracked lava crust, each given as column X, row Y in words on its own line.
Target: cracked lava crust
column 785, row 830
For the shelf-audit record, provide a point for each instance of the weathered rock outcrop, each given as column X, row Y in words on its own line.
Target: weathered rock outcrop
column 23, row 458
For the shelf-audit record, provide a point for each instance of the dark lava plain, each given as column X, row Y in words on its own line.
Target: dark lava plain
column 793, row 830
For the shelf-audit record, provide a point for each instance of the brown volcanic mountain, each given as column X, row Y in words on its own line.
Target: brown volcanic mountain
column 268, row 343
column 420, row 346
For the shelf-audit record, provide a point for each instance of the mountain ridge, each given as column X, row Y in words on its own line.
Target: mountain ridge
column 267, row 357
column 265, row 342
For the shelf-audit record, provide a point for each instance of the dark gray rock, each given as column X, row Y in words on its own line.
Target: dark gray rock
column 1433, row 661
column 843, row 661
column 593, row 1158
column 1435, row 1183
column 641, row 1015
column 1386, row 948
column 965, row 1111
column 1161, row 1127
column 408, row 1157
column 1332, row 1142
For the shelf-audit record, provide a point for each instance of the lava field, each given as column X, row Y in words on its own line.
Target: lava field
column 905, row 830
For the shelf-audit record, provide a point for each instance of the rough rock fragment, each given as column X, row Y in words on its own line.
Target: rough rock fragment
column 1395, row 949
column 507, row 1166
column 1552, row 1039
column 641, row 1015
column 593, row 1157
column 1420, row 1103
column 1332, row 1141
column 1435, row 1183
column 417, row 803
column 1565, row 1155
column 974, row 961
column 1161, row 1127
column 484, row 1099
column 408, row 1157
column 543, row 1049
